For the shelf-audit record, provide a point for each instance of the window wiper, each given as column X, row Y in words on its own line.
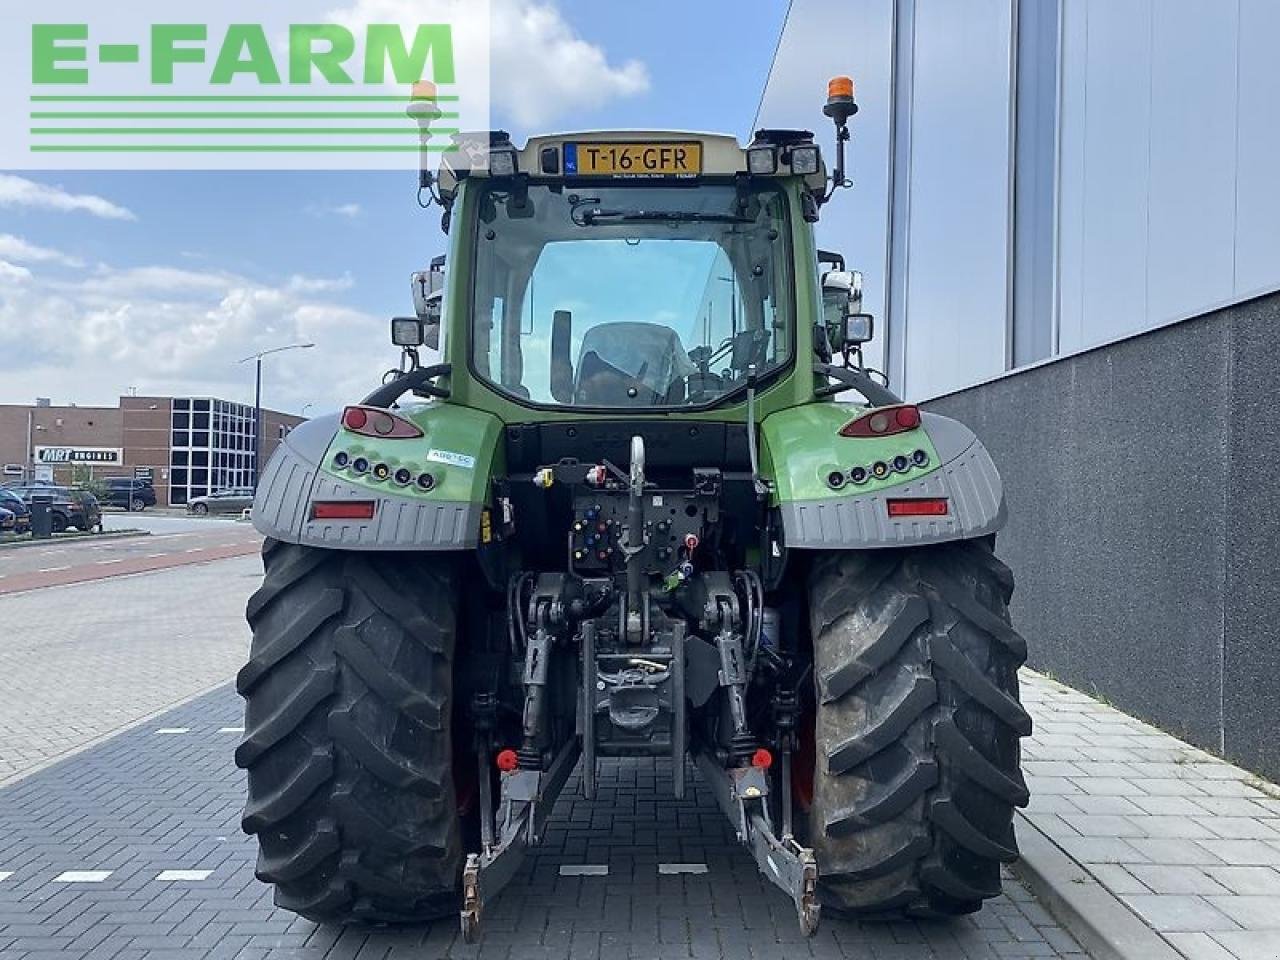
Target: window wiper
column 596, row 214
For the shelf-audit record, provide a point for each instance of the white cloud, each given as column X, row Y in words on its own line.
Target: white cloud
column 15, row 248
column 170, row 330
column 541, row 69
column 348, row 210
column 12, row 273
column 20, row 192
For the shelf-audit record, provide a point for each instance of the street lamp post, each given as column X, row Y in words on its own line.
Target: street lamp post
column 257, row 402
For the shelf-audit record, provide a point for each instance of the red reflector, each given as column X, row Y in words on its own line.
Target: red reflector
column 507, row 760
column 922, row 507
column 884, row 422
column 762, row 759
column 342, row 510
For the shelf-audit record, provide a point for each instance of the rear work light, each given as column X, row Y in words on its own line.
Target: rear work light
column 918, row 507
column 884, row 422
column 806, row 159
column 372, row 422
column 762, row 161
column 342, row 510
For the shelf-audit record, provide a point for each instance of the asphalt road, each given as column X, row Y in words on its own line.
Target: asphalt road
column 171, row 542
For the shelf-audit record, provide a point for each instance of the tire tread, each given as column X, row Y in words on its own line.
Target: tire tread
column 918, row 726
column 351, row 666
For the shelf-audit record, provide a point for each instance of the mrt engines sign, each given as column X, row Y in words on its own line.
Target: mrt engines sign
column 99, row 456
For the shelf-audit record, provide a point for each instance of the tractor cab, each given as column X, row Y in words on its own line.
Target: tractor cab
column 628, row 271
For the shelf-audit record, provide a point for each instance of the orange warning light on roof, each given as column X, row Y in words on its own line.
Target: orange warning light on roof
column 840, row 88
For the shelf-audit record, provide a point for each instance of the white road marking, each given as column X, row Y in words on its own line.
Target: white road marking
column 231, row 730
column 156, row 556
column 52, row 569
column 180, row 875
column 195, row 550
column 82, row 876
column 5, row 875
column 584, row 870
column 103, row 563
column 671, row 869
column 172, row 731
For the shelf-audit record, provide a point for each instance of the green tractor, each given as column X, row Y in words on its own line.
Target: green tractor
column 651, row 503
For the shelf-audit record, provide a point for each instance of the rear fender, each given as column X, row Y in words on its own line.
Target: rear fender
column 459, row 449
column 802, row 447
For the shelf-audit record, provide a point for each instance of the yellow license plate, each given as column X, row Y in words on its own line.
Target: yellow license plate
column 633, row 159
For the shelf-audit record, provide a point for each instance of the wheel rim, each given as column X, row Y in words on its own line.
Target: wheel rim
column 201, row 508
column 138, row 506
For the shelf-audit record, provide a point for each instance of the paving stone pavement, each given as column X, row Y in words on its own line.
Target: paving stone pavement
column 1189, row 842
column 78, row 662
column 165, row 796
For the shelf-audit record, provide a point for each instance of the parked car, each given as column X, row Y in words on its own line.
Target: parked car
column 233, row 500
column 129, row 493
column 14, row 504
column 8, row 522
column 71, row 507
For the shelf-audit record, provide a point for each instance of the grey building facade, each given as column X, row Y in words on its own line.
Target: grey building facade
column 1069, row 216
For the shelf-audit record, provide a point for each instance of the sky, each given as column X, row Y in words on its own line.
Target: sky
column 161, row 282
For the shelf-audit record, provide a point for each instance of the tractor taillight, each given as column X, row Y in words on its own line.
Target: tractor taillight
column 883, row 422
column 507, row 760
column 342, row 510
column 918, row 507
column 372, row 422
column 762, row 759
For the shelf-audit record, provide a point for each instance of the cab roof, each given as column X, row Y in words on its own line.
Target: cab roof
column 722, row 154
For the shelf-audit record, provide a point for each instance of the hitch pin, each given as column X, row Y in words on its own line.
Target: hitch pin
column 648, row 664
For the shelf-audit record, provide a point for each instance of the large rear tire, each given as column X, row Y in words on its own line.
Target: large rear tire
column 917, row 728
column 347, row 743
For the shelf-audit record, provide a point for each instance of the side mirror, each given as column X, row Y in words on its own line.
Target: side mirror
column 846, row 324
column 424, row 284
column 561, row 363
column 843, row 286
column 433, row 320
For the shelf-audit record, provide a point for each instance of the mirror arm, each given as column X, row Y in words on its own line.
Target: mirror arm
column 416, row 380
column 855, row 379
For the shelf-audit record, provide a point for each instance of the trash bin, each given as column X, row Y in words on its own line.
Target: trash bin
column 41, row 516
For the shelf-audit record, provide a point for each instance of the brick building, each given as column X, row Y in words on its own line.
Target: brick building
column 188, row 446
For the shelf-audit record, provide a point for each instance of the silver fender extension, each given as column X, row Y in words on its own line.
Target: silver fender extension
column 966, row 478
column 293, row 480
